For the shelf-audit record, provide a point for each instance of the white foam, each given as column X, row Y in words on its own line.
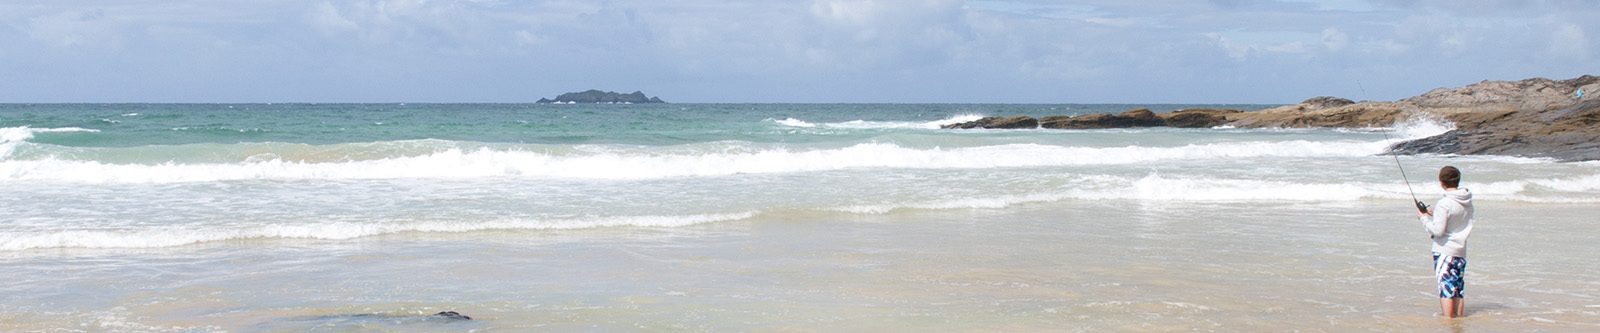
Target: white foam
column 10, row 137
column 1155, row 187
column 965, row 203
column 177, row 236
column 795, row 123
column 17, row 134
column 653, row 164
column 1421, row 126
column 1579, row 184
column 863, row 124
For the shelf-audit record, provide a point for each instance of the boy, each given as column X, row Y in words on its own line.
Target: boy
column 1449, row 222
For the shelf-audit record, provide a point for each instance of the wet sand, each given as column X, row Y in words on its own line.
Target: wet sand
column 1114, row 265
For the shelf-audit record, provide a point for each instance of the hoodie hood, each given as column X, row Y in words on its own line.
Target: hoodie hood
column 1461, row 196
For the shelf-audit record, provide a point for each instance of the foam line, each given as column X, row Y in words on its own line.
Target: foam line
column 487, row 162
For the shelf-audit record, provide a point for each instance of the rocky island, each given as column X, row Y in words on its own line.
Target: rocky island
column 593, row 96
column 1536, row 117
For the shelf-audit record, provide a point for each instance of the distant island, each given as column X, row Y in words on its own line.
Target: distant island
column 593, row 96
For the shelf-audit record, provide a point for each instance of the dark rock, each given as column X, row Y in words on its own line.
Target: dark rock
column 1140, row 113
column 452, row 315
column 1566, row 134
column 596, row 96
column 544, row 101
column 1126, row 119
column 1323, row 102
column 1013, row 122
column 1197, row 118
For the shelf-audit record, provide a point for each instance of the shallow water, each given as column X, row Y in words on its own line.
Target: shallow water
column 752, row 217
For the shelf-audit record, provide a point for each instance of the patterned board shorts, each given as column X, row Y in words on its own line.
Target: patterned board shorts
column 1451, row 272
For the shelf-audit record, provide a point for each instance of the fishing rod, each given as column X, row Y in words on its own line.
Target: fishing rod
column 1421, row 207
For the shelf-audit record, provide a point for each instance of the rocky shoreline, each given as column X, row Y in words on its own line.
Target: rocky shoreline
column 1535, row 117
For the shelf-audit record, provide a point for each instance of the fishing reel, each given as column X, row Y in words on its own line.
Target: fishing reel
column 1421, row 207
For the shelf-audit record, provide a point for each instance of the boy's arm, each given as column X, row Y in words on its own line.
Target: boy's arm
column 1435, row 220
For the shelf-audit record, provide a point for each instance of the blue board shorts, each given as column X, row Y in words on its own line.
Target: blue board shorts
column 1451, row 272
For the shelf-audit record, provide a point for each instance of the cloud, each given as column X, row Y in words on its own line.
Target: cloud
column 1568, row 40
column 1335, row 40
column 807, row 51
column 74, row 28
column 326, row 18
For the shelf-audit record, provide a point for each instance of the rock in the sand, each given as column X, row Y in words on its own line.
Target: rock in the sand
column 452, row 315
column 1013, row 122
column 1131, row 118
column 1568, row 134
column 1197, row 118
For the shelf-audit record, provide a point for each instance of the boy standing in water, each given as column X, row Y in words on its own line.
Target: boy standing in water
column 1448, row 223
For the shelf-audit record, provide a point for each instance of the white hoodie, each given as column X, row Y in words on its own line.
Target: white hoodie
column 1451, row 223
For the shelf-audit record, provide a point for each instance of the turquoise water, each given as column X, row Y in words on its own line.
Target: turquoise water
column 95, row 194
column 206, row 172
column 126, row 125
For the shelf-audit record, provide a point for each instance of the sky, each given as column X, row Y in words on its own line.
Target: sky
column 805, row 51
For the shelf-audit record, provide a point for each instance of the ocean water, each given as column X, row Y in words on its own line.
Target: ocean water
column 338, row 217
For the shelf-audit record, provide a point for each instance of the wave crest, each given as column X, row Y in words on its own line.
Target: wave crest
column 864, row 124
column 651, row 164
column 10, row 137
column 178, row 236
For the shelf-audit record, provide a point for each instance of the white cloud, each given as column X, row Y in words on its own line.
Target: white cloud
column 1334, row 40
column 933, row 50
column 326, row 18
column 74, row 28
column 1569, row 41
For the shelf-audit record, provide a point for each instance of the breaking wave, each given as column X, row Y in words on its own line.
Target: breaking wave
column 864, row 124
column 178, row 236
column 660, row 162
column 10, row 137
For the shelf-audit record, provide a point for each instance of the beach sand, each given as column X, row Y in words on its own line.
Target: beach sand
column 1111, row 265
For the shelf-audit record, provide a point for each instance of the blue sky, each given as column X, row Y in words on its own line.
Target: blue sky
column 1005, row 51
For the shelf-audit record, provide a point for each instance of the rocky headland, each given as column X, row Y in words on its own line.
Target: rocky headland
column 1535, row 117
column 592, row 96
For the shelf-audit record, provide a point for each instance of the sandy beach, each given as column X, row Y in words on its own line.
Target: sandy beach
column 1085, row 266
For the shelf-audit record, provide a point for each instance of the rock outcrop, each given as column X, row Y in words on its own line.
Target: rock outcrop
column 1535, row 117
column 1364, row 114
column 592, row 96
column 1126, row 119
column 1323, row 102
column 1197, row 118
column 1569, row 134
column 1536, row 94
column 1469, row 105
column 1013, row 122
column 1191, row 118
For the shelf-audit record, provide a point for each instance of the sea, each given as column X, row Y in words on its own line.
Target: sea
column 757, row 217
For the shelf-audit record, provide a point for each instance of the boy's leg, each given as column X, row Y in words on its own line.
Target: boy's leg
column 1451, row 307
column 1451, row 271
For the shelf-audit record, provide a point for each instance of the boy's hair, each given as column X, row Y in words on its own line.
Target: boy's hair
column 1450, row 176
